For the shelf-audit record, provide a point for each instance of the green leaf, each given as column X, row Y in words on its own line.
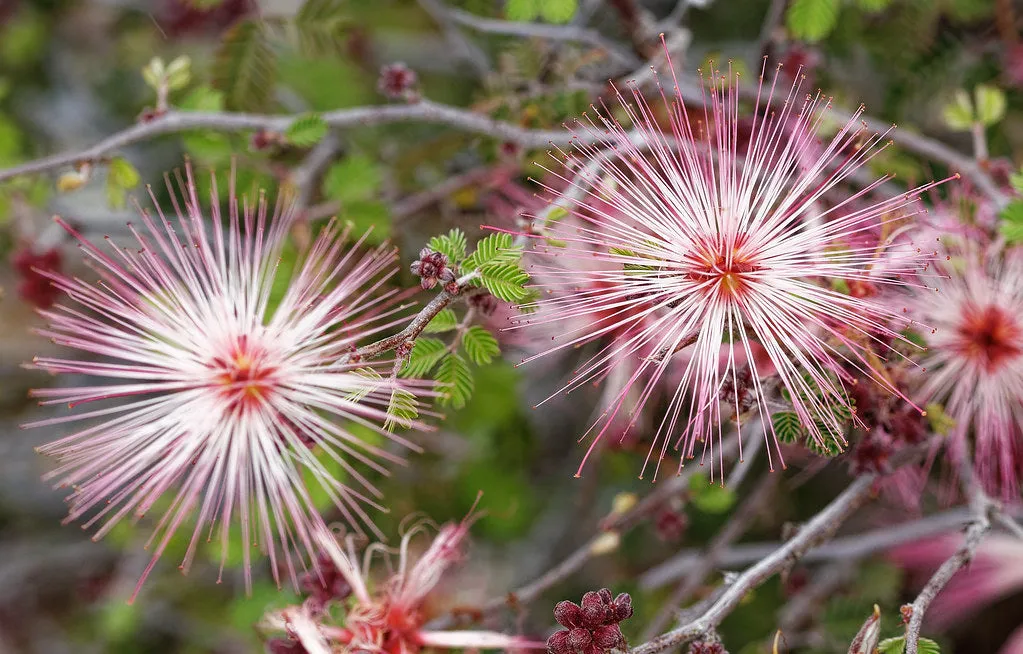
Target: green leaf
column 356, row 177
column 897, row 645
column 940, row 422
column 372, row 378
column 1016, row 179
column 153, row 73
column 493, row 249
column 319, row 28
column 708, row 497
column 454, row 381
column 444, row 321
column 402, row 410
column 245, row 68
column 121, row 176
column 452, row 245
column 179, row 73
column 306, row 130
column 425, row 354
column 558, row 11
column 959, row 113
column 873, row 5
column 203, row 98
column 505, row 281
column 990, row 104
column 1011, row 227
column 369, row 217
column 788, row 428
column 480, row 345
column 522, row 10
column 812, row 20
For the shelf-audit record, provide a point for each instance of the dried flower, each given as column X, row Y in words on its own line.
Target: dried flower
column 432, row 267
column 219, row 395
column 397, row 81
column 720, row 251
column 591, row 627
column 974, row 362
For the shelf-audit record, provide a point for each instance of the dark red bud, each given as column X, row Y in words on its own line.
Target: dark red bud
column 609, row 637
column 605, row 595
column 568, row 614
column 580, row 638
column 592, row 599
column 558, row 643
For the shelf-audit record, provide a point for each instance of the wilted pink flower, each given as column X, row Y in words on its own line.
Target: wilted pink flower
column 974, row 362
column 389, row 619
column 216, row 390
column 723, row 254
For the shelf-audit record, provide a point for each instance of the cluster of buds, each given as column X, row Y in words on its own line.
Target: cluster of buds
column 398, row 82
column 35, row 286
column 432, row 267
column 593, row 627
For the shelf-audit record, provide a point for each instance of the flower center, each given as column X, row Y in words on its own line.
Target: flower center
column 245, row 376
column 731, row 272
column 991, row 336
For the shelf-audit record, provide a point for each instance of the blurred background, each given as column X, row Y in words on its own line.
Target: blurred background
column 75, row 72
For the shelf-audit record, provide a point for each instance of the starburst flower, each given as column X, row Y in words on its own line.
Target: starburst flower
column 974, row 362
column 388, row 618
column 217, row 399
column 722, row 239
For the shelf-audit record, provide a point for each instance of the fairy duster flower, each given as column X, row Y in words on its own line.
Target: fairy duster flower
column 714, row 235
column 974, row 362
column 218, row 401
column 387, row 617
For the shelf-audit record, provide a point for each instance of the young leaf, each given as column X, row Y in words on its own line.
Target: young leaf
column 990, row 104
column 372, row 378
column 493, row 249
column 959, row 113
column 402, row 410
column 522, row 10
column 480, row 345
column 1011, row 227
column 425, row 354
column 203, row 98
column 452, row 245
column 812, row 20
column 245, row 68
column 505, row 281
column 558, row 11
column 319, row 27
column 306, row 130
column 787, row 427
column 454, row 381
column 710, row 497
column 121, row 176
column 444, row 321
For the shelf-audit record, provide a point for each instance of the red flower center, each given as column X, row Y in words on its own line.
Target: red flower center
column 730, row 271
column 246, row 377
column 991, row 336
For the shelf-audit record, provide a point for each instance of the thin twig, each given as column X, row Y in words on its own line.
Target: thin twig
column 572, row 33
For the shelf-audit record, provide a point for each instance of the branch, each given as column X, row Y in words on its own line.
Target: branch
column 573, row 33
column 174, row 122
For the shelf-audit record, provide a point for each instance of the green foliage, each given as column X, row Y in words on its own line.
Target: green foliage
column 873, row 5
column 452, row 245
column 371, row 376
column 522, row 10
column 352, row 179
column 23, row 39
column 444, row 321
column 245, row 69
column 480, row 345
column 713, row 498
column 812, row 20
column 426, row 353
column 306, row 130
column 940, row 422
column 991, row 103
column 1011, row 226
column 203, row 98
column 121, row 177
column 897, row 645
column 319, row 27
column 788, row 427
column 454, row 381
column 402, row 410
column 495, row 249
column 558, row 11
column 505, row 281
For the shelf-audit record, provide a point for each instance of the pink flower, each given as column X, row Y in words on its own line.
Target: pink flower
column 717, row 241
column 996, row 571
column 974, row 362
column 389, row 618
column 212, row 389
